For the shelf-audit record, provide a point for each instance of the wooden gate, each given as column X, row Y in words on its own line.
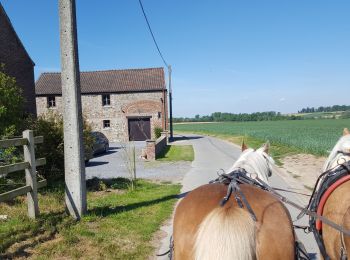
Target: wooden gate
column 29, row 165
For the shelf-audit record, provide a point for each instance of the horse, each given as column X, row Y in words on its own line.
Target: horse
column 205, row 230
column 337, row 205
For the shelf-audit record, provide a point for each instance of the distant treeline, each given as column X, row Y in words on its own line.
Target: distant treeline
column 334, row 108
column 222, row 117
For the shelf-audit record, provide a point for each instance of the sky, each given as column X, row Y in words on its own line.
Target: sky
column 228, row 56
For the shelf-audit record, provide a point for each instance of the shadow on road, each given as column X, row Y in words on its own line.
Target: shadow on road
column 107, row 153
column 182, row 138
column 113, row 148
column 93, row 163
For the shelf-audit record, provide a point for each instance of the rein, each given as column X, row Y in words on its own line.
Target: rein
column 240, row 177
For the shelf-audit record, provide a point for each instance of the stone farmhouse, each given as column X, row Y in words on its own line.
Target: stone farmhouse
column 17, row 61
column 123, row 104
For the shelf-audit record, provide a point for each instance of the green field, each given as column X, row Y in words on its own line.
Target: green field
column 310, row 136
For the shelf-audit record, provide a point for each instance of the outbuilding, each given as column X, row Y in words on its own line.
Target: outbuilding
column 125, row 105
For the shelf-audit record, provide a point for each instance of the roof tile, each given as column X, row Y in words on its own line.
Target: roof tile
column 108, row 81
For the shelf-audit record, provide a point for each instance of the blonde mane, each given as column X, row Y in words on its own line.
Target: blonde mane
column 255, row 162
column 338, row 155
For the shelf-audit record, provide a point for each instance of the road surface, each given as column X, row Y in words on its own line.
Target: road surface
column 211, row 155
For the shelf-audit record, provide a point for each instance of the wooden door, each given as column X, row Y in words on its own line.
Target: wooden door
column 139, row 129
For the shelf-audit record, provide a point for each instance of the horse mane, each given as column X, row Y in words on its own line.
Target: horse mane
column 336, row 152
column 254, row 161
column 226, row 234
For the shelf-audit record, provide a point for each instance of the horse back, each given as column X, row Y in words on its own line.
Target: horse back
column 274, row 230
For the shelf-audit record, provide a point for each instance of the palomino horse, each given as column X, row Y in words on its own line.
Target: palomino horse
column 204, row 230
column 337, row 205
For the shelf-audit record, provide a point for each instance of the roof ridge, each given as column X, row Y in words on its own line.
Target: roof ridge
column 91, row 71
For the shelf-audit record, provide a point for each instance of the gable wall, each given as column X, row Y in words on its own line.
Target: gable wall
column 17, row 63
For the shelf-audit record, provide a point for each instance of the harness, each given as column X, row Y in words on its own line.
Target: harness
column 239, row 176
column 325, row 185
column 233, row 180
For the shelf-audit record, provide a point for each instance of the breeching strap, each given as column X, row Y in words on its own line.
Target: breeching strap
column 326, row 196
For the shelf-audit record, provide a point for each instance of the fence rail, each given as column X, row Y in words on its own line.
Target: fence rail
column 10, row 195
column 29, row 166
column 19, row 141
column 20, row 166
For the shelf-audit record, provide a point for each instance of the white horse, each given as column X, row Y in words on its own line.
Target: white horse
column 255, row 162
column 337, row 204
column 340, row 153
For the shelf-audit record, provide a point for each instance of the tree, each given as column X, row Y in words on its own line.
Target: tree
column 11, row 104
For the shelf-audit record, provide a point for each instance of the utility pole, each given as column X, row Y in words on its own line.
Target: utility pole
column 170, row 106
column 75, row 194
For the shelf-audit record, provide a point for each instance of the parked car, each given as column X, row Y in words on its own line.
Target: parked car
column 101, row 144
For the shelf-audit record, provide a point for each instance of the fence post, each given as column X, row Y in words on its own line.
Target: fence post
column 29, row 156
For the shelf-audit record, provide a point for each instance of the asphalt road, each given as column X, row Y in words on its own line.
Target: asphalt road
column 211, row 155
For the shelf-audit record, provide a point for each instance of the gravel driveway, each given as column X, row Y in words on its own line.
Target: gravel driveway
column 114, row 164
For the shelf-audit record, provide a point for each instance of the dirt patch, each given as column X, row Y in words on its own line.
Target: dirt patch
column 301, row 171
column 25, row 248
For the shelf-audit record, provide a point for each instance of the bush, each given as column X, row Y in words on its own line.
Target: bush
column 51, row 128
column 158, row 132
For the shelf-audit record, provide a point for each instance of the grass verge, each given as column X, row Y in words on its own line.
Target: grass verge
column 177, row 153
column 277, row 151
column 120, row 224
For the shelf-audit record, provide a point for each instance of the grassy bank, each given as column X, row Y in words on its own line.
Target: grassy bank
column 309, row 136
column 177, row 153
column 120, row 224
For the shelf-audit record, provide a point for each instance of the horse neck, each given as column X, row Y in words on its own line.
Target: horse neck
column 252, row 163
column 336, row 156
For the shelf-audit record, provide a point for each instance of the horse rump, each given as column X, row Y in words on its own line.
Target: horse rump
column 226, row 233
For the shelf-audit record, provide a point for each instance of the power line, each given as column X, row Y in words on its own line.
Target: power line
column 150, row 30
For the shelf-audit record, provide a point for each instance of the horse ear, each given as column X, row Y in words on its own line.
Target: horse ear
column 346, row 131
column 244, row 147
column 266, row 147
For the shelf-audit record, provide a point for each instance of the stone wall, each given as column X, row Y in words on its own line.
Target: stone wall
column 155, row 147
column 17, row 62
column 123, row 106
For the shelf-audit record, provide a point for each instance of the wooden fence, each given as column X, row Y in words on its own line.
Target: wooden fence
column 29, row 166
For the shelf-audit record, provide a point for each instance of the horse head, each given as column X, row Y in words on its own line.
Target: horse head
column 340, row 152
column 255, row 161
